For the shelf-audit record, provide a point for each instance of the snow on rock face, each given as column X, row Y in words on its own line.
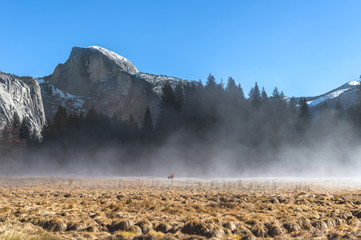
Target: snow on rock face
column 97, row 78
column 158, row 81
column 87, row 66
column 122, row 62
column 94, row 77
column 53, row 97
column 21, row 95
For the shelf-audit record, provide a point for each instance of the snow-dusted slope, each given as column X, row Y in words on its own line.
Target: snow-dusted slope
column 345, row 94
column 158, row 81
column 53, row 97
column 122, row 62
column 21, row 95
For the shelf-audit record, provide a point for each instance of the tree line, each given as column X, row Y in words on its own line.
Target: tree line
column 194, row 114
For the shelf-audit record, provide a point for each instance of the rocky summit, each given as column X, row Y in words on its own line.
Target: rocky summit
column 94, row 77
column 21, row 95
column 87, row 67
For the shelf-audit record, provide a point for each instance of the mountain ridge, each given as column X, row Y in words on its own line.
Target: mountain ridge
column 94, row 77
column 345, row 94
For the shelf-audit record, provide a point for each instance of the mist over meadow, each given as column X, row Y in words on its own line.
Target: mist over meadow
column 201, row 130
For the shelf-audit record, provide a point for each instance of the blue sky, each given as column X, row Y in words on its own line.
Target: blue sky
column 303, row 47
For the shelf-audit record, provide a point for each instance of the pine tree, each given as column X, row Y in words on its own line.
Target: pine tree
column 220, row 85
column 264, row 96
column 292, row 118
column 46, row 132
column 16, row 120
column 354, row 112
column 131, row 120
column 81, row 117
column 240, row 91
column 304, row 115
column 255, row 96
column 324, row 107
column 275, row 93
column 25, row 129
column 168, row 106
column 73, row 121
column 278, row 101
column 148, row 121
column 339, row 111
column 132, row 124
column 324, row 113
column 304, row 110
column 114, row 120
column 168, row 96
column 179, row 95
column 147, row 130
column 292, row 107
column 233, row 94
column 60, row 119
column 191, row 103
column 91, row 117
column 282, row 95
column 211, row 82
column 231, row 86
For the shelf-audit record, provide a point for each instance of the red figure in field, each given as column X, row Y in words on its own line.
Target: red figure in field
column 171, row 176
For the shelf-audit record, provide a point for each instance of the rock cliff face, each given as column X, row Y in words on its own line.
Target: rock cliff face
column 21, row 95
column 94, row 77
column 87, row 66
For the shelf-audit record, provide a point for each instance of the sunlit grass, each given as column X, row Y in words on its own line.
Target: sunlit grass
column 102, row 208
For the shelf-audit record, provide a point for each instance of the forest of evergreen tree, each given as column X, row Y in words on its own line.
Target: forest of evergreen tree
column 197, row 125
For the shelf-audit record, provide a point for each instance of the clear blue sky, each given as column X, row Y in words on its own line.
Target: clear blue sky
column 305, row 47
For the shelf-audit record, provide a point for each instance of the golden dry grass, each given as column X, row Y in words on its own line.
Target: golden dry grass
column 84, row 208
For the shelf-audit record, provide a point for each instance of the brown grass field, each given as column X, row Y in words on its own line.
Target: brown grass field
column 149, row 208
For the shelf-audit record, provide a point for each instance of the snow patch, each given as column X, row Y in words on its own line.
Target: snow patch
column 76, row 101
column 331, row 95
column 336, row 93
column 159, row 80
column 316, row 102
column 354, row 83
column 122, row 62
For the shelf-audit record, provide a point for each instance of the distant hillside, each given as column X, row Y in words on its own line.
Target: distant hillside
column 346, row 94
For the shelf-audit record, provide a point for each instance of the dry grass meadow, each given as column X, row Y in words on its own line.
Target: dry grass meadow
column 149, row 208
